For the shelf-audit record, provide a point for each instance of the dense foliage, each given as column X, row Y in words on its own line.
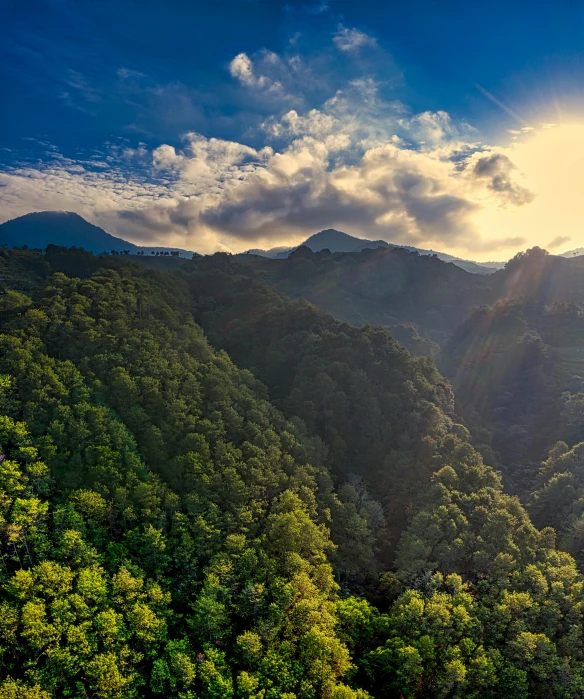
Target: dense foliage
column 289, row 508
column 518, row 373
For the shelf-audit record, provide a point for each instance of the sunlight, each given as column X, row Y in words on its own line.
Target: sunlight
column 550, row 162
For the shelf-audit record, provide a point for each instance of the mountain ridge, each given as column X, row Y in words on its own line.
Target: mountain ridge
column 338, row 241
column 38, row 229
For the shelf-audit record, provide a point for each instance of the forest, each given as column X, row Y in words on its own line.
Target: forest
column 320, row 477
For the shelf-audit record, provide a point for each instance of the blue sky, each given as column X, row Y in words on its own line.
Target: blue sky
column 235, row 123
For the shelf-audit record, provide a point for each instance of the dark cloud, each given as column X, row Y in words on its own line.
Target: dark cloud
column 443, row 216
column 262, row 208
column 278, row 211
column 153, row 222
column 497, row 169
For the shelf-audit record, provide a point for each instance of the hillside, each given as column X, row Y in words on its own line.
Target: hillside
column 182, row 515
column 576, row 252
column 388, row 287
column 516, row 367
column 511, row 343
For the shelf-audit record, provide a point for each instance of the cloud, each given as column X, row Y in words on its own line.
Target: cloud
column 313, row 123
column 351, row 40
column 509, row 243
column 333, row 170
column 496, row 168
column 213, row 192
column 241, row 68
column 356, row 161
column 391, row 192
column 207, row 162
column 270, row 74
column 431, row 129
column 557, row 241
column 128, row 74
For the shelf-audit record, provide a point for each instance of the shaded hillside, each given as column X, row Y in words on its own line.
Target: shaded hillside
column 546, row 278
column 385, row 287
column 515, row 363
column 362, row 394
column 511, row 361
column 514, row 367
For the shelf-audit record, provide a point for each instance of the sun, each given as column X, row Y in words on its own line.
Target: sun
column 549, row 161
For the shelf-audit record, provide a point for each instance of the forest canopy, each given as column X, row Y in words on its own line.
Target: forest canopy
column 210, row 489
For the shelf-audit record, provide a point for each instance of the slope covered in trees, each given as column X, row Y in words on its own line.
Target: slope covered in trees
column 288, row 508
column 510, row 343
column 517, row 368
column 176, row 486
column 385, row 287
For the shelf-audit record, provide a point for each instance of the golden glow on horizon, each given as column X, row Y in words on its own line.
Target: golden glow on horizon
column 550, row 163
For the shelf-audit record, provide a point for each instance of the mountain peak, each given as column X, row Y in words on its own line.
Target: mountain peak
column 336, row 241
column 50, row 215
column 41, row 228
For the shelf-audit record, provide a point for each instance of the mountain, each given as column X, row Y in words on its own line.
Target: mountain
column 493, row 264
column 37, row 230
column 337, row 241
column 391, row 286
column 282, row 251
column 577, row 252
column 511, row 343
column 66, row 228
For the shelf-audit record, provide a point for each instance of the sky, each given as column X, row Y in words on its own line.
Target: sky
column 236, row 124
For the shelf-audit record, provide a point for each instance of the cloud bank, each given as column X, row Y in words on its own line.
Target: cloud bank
column 358, row 163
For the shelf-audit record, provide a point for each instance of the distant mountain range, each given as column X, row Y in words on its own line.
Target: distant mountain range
column 39, row 229
column 337, row 241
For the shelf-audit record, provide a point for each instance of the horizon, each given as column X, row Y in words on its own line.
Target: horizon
column 265, row 122
column 285, row 248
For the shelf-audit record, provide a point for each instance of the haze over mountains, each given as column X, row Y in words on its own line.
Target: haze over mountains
column 69, row 229
column 39, row 229
column 510, row 342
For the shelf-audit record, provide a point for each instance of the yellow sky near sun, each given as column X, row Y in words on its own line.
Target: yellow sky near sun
column 550, row 163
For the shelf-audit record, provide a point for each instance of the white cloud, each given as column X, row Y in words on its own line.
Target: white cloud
column 241, row 68
column 261, row 75
column 359, row 163
column 350, row 40
column 212, row 193
column 313, row 123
